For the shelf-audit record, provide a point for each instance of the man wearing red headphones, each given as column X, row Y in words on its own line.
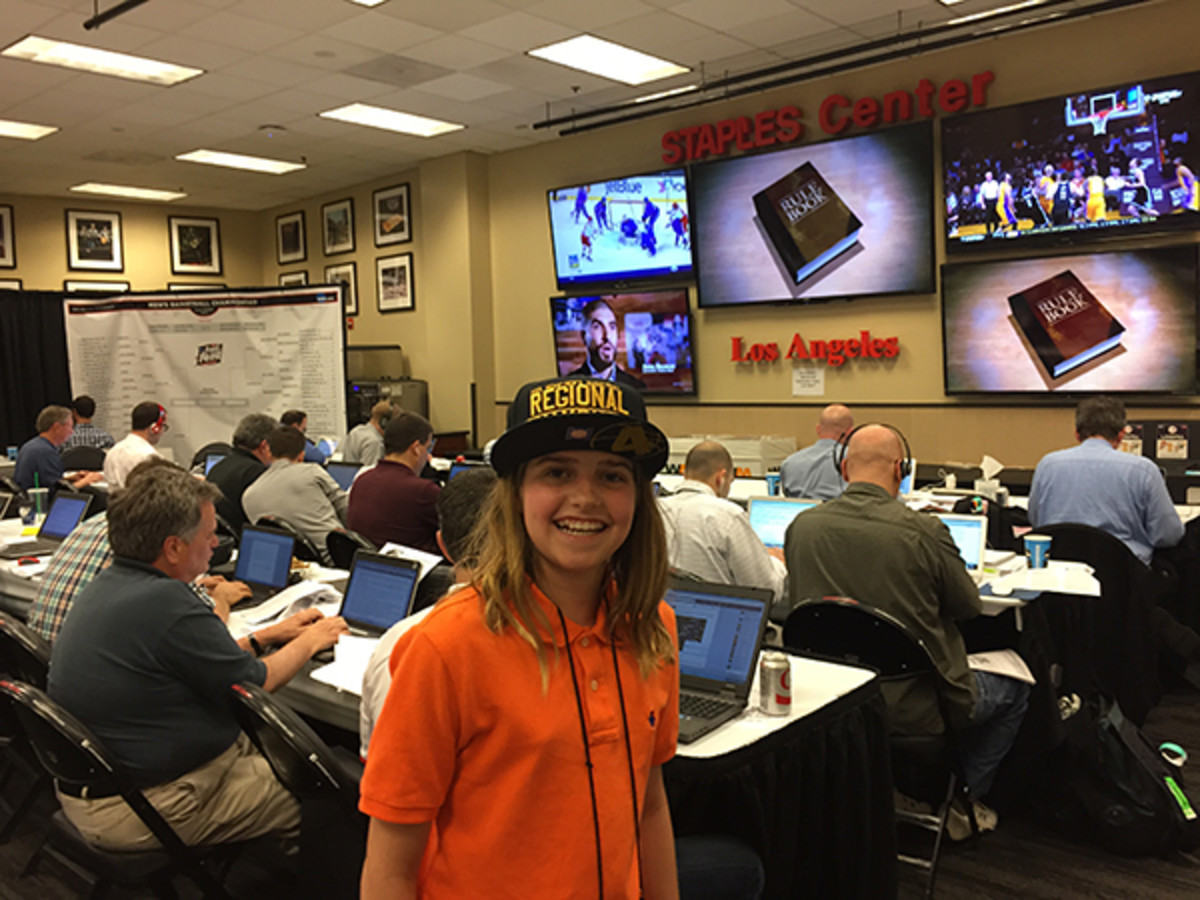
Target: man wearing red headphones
column 149, row 421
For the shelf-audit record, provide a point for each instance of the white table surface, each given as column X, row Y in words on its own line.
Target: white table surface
column 815, row 684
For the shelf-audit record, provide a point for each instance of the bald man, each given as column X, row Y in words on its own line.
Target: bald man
column 867, row 546
column 709, row 536
column 811, row 472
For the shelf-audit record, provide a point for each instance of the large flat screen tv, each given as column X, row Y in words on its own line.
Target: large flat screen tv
column 647, row 336
column 846, row 218
column 1095, row 164
column 621, row 232
column 1123, row 321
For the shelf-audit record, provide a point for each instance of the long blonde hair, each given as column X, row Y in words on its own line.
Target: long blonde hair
column 504, row 566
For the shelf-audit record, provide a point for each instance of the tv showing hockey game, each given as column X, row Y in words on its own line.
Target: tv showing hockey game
column 1121, row 321
column 622, row 231
column 846, row 218
column 1095, row 164
column 641, row 339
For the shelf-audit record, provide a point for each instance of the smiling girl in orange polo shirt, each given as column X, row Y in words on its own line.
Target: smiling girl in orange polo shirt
column 519, row 752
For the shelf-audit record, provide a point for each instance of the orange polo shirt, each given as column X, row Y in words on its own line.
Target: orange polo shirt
column 468, row 740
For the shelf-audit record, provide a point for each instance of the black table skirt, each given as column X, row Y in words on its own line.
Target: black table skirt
column 814, row 800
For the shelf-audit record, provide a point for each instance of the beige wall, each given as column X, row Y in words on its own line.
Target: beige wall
column 1027, row 66
column 39, row 225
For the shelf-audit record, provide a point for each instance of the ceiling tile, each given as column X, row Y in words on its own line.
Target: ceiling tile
column 793, row 25
column 518, row 31
column 242, row 32
column 467, row 88
column 722, row 14
column 456, row 52
column 444, row 15
column 585, row 16
column 374, row 29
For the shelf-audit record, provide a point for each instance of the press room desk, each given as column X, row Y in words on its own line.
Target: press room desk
column 812, row 793
column 16, row 592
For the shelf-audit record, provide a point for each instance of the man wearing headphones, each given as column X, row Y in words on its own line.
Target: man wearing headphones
column 149, row 421
column 364, row 443
column 870, row 548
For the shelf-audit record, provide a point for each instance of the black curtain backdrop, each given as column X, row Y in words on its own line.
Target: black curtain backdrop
column 33, row 361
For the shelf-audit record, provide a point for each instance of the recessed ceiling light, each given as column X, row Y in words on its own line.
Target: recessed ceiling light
column 949, row 2
column 998, row 11
column 100, row 62
column 608, row 60
column 390, row 120
column 664, row 94
column 239, row 161
column 120, row 190
column 24, row 130
column 368, row 2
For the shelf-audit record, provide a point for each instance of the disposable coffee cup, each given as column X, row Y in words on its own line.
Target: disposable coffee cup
column 1037, row 548
column 773, row 484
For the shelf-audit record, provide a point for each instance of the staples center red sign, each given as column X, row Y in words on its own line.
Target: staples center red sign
column 833, row 352
column 785, row 125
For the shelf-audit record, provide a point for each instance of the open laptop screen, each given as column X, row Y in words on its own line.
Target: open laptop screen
column 65, row 513
column 770, row 517
column 970, row 535
column 343, row 473
column 264, row 557
column 210, row 460
column 719, row 633
column 380, row 591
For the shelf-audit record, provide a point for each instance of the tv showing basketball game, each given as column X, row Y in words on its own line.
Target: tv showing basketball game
column 621, row 231
column 1123, row 321
column 1090, row 165
column 640, row 339
column 847, row 218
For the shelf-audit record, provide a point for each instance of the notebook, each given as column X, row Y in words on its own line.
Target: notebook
column 770, row 517
column 66, row 511
column 380, row 592
column 343, row 473
column 264, row 562
column 210, row 460
column 720, row 631
column 970, row 535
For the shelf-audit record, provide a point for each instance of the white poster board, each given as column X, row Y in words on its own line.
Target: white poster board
column 211, row 358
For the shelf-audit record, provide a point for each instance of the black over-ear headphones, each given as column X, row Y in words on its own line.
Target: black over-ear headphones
column 843, row 444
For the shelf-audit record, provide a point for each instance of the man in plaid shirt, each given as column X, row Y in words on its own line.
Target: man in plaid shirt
column 86, row 434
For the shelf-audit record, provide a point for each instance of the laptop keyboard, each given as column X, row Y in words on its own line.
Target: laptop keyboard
column 698, row 707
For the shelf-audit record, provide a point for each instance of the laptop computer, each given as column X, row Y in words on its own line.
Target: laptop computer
column 457, row 468
column 66, row 511
column 770, row 517
column 970, row 535
column 343, row 473
column 264, row 562
column 720, row 632
column 210, row 460
column 380, row 592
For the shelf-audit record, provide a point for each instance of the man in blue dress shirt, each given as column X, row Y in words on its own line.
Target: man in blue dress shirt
column 811, row 473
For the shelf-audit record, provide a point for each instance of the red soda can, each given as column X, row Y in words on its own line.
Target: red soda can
column 775, row 683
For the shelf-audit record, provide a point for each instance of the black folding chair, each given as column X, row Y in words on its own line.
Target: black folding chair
column 90, row 459
column 76, row 759
column 342, row 544
column 333, row 832
column 847, row 631
column 25, row 656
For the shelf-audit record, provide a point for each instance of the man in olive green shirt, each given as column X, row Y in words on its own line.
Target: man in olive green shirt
column 868, row 546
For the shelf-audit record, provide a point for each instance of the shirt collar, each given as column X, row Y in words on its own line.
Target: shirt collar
column 694, row 487
column 597, row 629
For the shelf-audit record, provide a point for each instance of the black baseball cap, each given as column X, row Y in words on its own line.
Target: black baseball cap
column 579, row 414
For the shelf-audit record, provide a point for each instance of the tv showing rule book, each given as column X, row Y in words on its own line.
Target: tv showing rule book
column 620, row 232
column 1120, row 321
column 847, row 218
column 641, row 339
column 1119, row 160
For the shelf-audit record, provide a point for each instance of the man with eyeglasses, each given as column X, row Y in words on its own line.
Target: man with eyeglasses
column 392, row 502
column 148, row 423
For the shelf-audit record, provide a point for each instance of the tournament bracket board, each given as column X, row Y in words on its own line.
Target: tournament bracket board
column 211, row 358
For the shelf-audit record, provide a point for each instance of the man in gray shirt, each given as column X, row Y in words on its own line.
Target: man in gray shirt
column 364, row 443
column 302, row 493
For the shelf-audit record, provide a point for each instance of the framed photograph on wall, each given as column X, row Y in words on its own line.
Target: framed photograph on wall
column 195, row 246
column 290, row 243
column 95, row 287
column 288, row 279
column 8, row 246
column 10, row 284
column 394, row 283
column 345, row 274
column 337, row 226
column 393, row 218
column 94, row 241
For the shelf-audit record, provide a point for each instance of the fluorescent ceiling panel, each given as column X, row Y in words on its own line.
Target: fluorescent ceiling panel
column 240, row 161
column 99, row 62
column 998, row 11
column 26, row 131
column 120, row 190
column 608, row 60
column 390, row 120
